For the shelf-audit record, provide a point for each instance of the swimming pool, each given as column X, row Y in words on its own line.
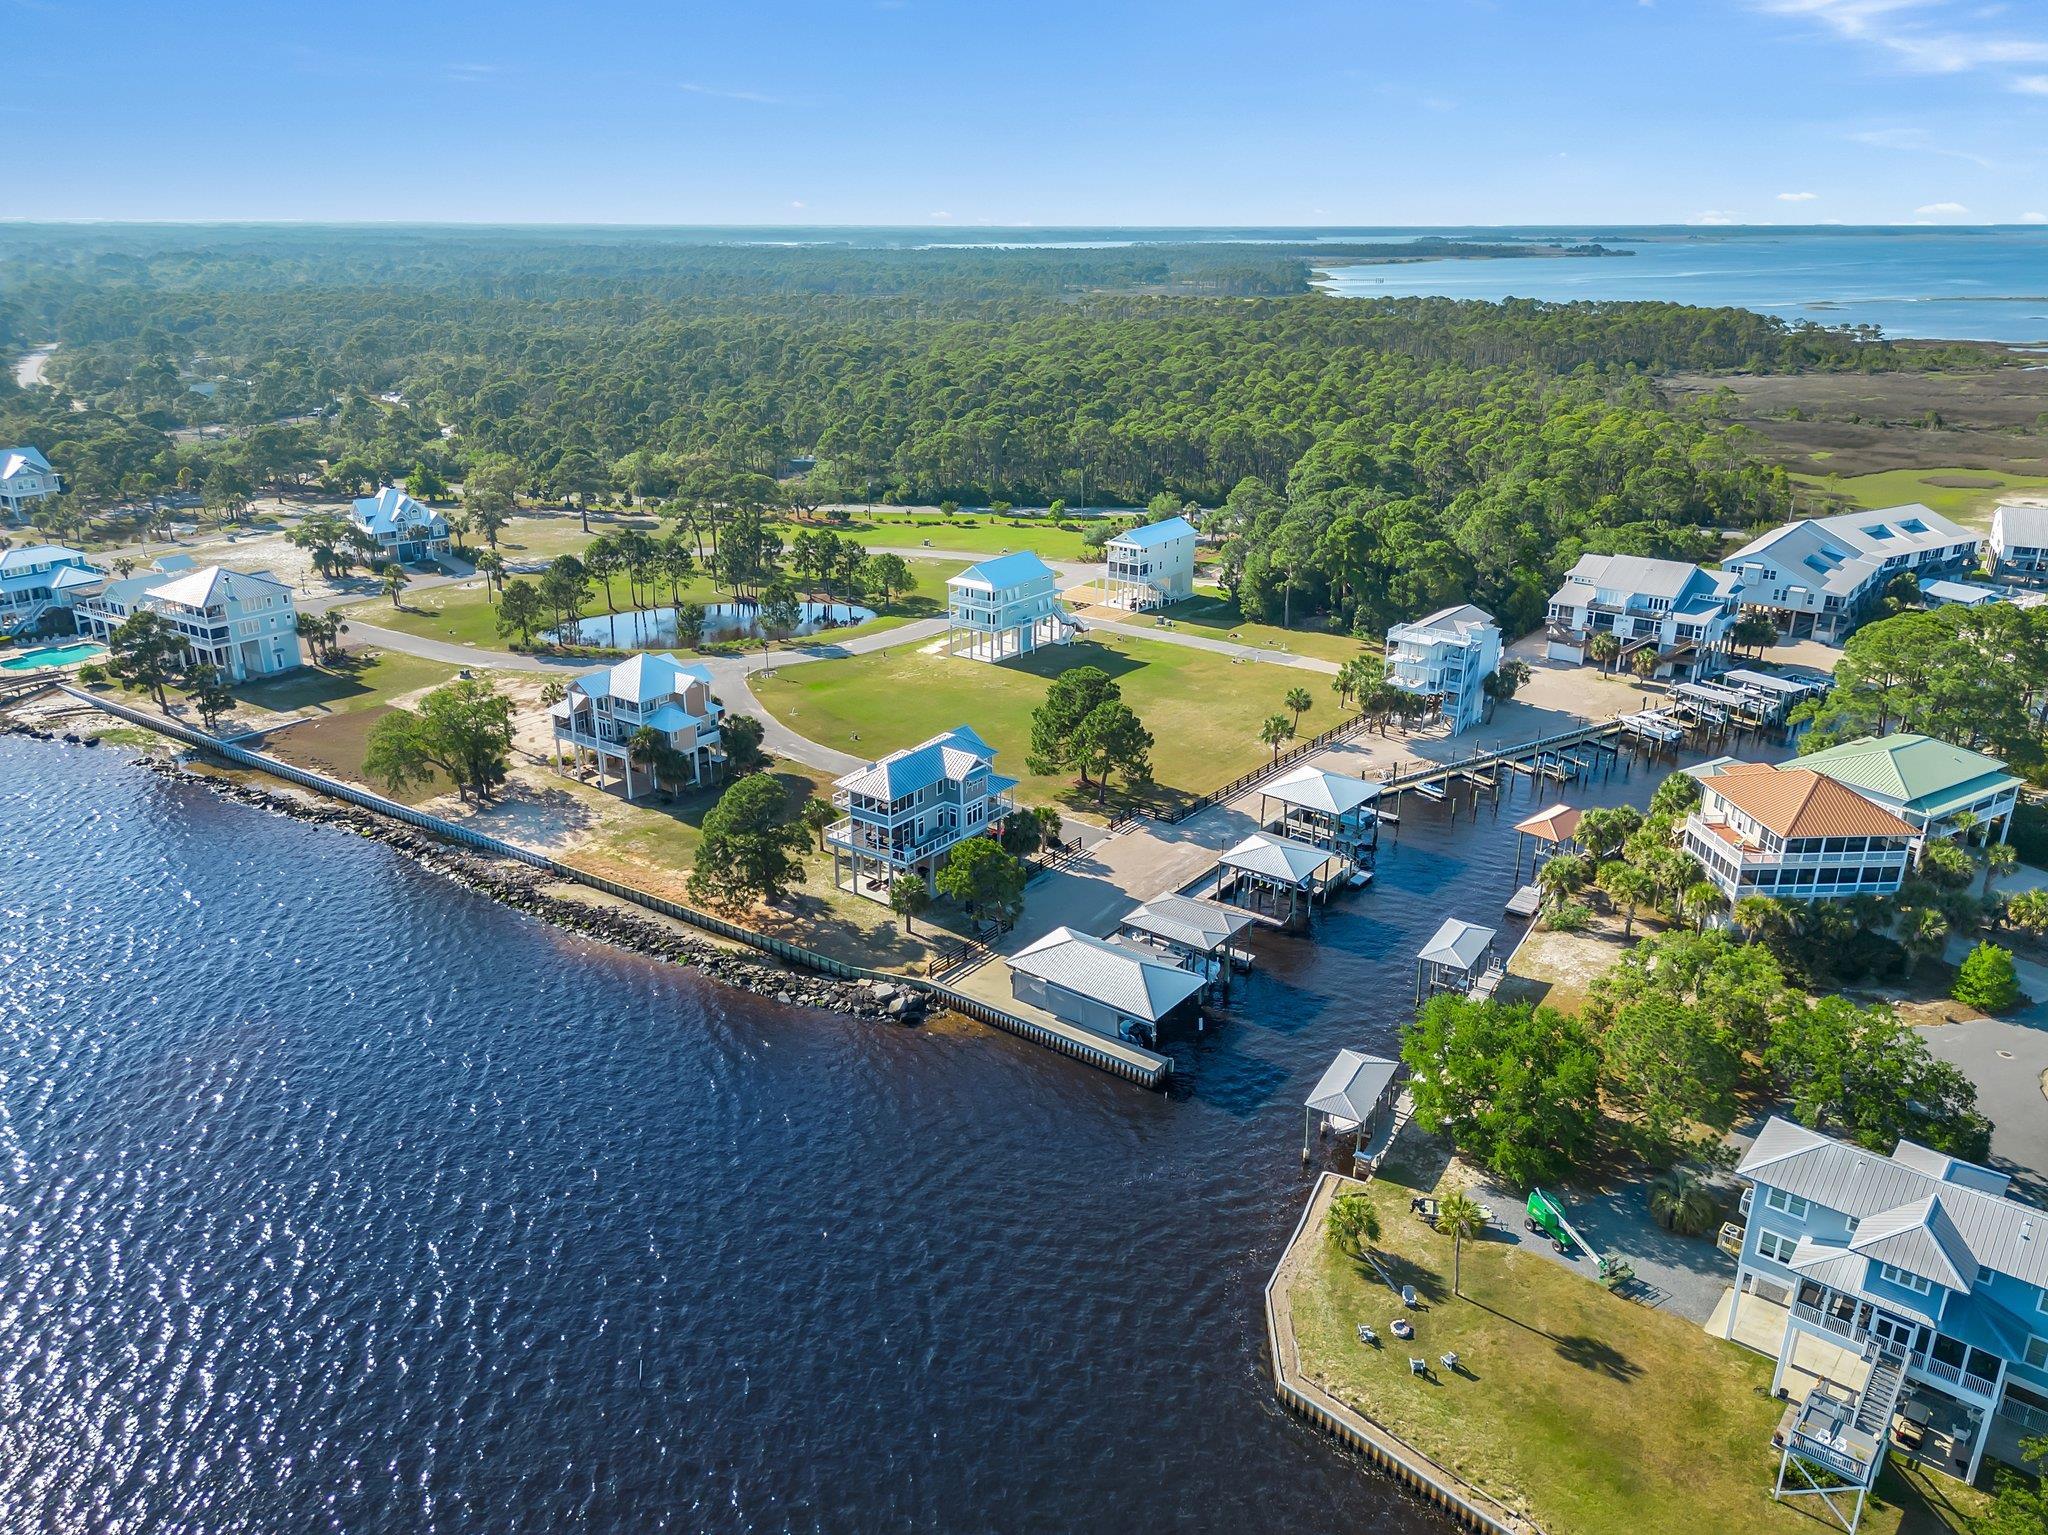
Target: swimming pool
column 52, row 655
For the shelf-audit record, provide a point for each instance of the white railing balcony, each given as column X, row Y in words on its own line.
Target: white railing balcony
column 856, row 837
column 1827, row 1321
column 1954, row 1375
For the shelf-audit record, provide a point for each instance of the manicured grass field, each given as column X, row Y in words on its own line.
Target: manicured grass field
column 975, row 533
column 466, row 615
column 1967, row 495
column 366, row 679
column 1213, row 615
column 1203, row 710
column 1594, row 1414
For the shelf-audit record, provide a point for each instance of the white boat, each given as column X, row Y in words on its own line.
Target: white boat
column 1359, row 879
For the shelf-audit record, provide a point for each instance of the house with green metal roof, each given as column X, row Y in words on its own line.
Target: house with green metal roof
column 1924, row 781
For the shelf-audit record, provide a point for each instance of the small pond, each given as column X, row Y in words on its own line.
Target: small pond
column 640, row 628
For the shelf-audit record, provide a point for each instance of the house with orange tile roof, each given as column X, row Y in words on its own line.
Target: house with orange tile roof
column 1795, row 834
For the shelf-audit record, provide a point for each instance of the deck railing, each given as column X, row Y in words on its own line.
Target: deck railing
column 1142, row 1067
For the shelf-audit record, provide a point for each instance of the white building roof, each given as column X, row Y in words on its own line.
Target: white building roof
column 391, row 510
column 1193, row 924
column 1280, row 859
column 1352, row 1086
column 1003, row 572
column 1963, row 593
column 37, row 554
column 1450, row 623
column 944, row 758
column 1839, row 555
column 1153, row 534
column 1963, row 1209
column 1458, row 944
column 642, row 678
column 171, row 564
column 2018, row 524
column 1311, row 788
column 1135, row 984
column 14, row 461
column 1635, row 574
column 209, row 584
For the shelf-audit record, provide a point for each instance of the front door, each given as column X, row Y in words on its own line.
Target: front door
column 1894, row 1333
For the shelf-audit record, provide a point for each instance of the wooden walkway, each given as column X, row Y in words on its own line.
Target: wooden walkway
column 1445, row 1488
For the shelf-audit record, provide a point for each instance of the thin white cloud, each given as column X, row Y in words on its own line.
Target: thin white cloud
column 1797, row 197
column 470, row 73
column 796, row 202
column 941, row 215
column 2032, row 85
column 1929, row 37
column 2034, row 218
column 1941, row 208
column 1915, row 141
column 1713, row 216
column 722, row 94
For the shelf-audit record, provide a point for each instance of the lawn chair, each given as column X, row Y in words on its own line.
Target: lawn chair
column 1417, row 1366
column 1367, row 1336
column 1450, row 1361
column 1409, row 1298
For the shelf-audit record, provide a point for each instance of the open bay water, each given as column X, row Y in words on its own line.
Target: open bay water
column 1960, row 285
column 336, row 1197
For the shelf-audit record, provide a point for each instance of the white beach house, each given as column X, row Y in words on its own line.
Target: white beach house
column 1818, row 577
column 907, row 811
column 1004, row 607
column 243, row 622
column 25, row 478
column 1683, row 611
column 1796, row 835
column 1152, row 566
column 1924, row 781
column 1448, row 655
column 39, row 578
column 602, row 710
column 2019, row 539
column 405, row 529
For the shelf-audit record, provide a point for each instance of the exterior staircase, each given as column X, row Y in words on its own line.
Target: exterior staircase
column 1880, row 1398
column 23, row 620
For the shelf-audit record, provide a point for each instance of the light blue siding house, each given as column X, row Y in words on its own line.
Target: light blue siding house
column 1005, row 607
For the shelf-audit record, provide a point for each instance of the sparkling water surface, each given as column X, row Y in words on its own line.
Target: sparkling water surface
column 338, row 1198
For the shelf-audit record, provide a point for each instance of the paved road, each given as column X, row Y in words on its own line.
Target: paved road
column 1229, row 648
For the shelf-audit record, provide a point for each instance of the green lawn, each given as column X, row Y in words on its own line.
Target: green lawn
column 466, row 615
column 1203, row 709
column 366, row 679
column 1213, row 615
column 1595, row 1415
column 1967, row 495
column 975, row 533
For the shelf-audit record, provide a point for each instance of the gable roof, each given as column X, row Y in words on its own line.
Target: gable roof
column 391, row 510
column 1921, row 1239
column 1637, row 574
column 1153, row 534
column 1845, row 553
column 1135, row 984
column 947, row 757
column 39, row 554
column 1004, row 571
column 1798, row 802
column 2016, row 524
column 1557, row 824
column 1979, row 1228
column 642, row 678
column 1920, row 772
column 14, row 460
column 1460, row 620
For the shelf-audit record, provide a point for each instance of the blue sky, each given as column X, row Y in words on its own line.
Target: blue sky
column 1047, row 111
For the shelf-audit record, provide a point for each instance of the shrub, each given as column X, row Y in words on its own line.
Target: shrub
column 1985, row 980
column 1571, row 917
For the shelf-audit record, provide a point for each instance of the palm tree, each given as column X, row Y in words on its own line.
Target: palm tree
column 1925, row 933
column 551, row 694
column 1354, row 1221
column 1698, row 901
column 1603, row 648
column 1275, row 730
column 1680, row 1202
column 1560, row 877
column 1300, row 702
column 1999, row 861
column 395, row 582
column 648, row 749
column 491, row 566
column 1628, row 887
column 1762, row 916
column 1459, row 1217
column 817, row 816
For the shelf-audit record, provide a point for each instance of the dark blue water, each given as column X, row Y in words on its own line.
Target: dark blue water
column 337, row 1198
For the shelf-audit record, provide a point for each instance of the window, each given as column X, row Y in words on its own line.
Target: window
column 1905, row 1281
column 1786, row 1204
column 2037, row 1353
column 1776, row 1246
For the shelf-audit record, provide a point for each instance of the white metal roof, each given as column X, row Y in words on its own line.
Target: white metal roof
column 642, row 678
column 2018, row 525
column 1280, row 859
column 1314, row 789
column 1352, row 1086
column 391, row 510
column 1004, row 572
column 1134, row 984
column 1450, row 623
column 1458, row 943
column 38, row 554
column 1186, row 921
column 945, row 758
column 1996, row 1233
column 14, row 460
column 1153, row 534
column 210, row 584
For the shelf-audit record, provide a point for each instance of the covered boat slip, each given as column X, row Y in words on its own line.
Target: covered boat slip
column 1461, row 957
column 1197, row 935
column 1277, row 876
column 1352, row 1098
column 1325, row 809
